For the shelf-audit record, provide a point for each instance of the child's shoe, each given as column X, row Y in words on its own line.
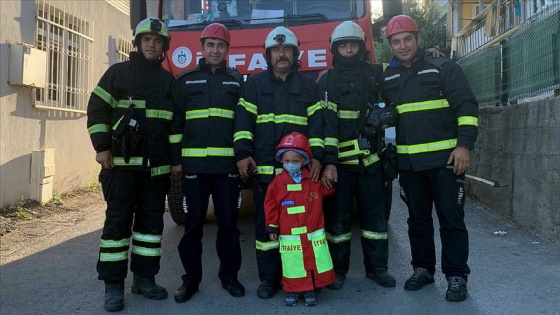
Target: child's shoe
column 310, row 299
column 290, row 299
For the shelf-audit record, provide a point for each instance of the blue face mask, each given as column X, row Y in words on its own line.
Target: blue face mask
column 292, row 168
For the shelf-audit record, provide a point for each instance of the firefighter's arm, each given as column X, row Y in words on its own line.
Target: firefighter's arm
column 100, row 107
column 460, row 159
column 244, row 126
column 330, row 123
column 316, row 133
column 330, row 176
column 177, row 125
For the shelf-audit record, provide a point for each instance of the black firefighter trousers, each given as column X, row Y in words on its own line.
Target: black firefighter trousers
column 134, row 200
column 440, row 187
column 224, row 189
column 370, row 193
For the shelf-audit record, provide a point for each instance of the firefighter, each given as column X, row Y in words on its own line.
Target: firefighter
column 437, row 129
column 294, row 216
column 273, row 103
column 205, row 98
column 351, row 153
column 129, row 117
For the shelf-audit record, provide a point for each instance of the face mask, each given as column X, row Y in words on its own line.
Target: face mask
column 292, row 168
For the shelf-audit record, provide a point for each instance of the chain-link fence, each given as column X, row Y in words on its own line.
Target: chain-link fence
column 524, row 65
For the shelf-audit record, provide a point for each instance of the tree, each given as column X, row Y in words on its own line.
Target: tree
column 432, row 29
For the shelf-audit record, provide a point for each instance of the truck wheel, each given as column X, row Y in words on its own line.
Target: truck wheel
column 175, row 200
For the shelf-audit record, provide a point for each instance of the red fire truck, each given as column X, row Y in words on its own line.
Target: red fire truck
column 249, row 21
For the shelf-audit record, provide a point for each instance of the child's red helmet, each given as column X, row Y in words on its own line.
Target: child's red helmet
column 297, row 142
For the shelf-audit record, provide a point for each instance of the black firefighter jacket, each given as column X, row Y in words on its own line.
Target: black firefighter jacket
column 437, row 111
column 269, row 109
column 149, row 86
column 205, row 103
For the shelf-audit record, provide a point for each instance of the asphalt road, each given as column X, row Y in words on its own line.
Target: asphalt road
column 516, row 273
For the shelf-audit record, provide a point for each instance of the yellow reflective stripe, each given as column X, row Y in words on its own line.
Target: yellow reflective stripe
column 159, row 113
column 205, row 152
column 331, row 142
column 146, row 251
column 315, row 234
column 265, row 170
column 314, row 108
column 210, row 112
column 264, row 246
column 134, row 161
column 108, row 257
column 177, row 138
column 332, row 106
column 98, row 128
column 138, row 104
column 370, row 159
column 273, row 225
column 289, row 238
column 317, row 142
column 339, row 238
column 294, row 187
column 105, row 96
column 295, row 210
column 374, row 235
column 114, row 243
column 350, row 162
column 426, row 147
column 284, row 118
column 348, row 114
column 148, row 238
column 243, row 135
column 160, row 170
column 349, row 143
column 420, row 106
column 116, row 125
column 467, row 121
column 250, row 107
column 299, row 230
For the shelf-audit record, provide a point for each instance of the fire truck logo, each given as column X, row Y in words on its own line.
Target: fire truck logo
column 182, row 57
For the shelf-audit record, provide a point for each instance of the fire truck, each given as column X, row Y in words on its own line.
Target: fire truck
column 249, row 21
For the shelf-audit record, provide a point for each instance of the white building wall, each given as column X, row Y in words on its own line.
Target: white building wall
column 23, row 128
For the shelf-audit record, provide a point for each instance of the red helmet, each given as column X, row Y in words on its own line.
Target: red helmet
column 400, row 24
column 215, row 30
column 297, row 142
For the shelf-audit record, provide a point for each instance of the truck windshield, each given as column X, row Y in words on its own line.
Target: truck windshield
column 255, row 13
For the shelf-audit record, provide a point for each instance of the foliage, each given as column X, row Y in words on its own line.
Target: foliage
column 432, row 30
column 21, row 210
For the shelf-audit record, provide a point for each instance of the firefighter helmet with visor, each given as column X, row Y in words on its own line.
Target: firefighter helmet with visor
column 281, row 36
column 346, row 31
column 155, row 26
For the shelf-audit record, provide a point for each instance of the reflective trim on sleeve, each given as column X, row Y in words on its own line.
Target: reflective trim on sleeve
column 206, row 152
column 370, row 159
column 160, row 170
column 264, row 246
column 105, row 96
column 98, row 128
column 177, row 138
column 134, row 161
column 159, row 114
column 331, row 142
column 317, row 142
column 314, row 108
column 265, row 170
column 250, row 107
column 467, row 121
column 243, row 135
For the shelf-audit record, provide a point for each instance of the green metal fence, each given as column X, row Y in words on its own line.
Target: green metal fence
column 527, row 64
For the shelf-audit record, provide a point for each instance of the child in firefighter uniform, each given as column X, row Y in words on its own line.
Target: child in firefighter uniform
column 294, row 216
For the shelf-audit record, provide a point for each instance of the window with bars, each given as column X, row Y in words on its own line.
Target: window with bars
column 69, row 46
column 124, row 47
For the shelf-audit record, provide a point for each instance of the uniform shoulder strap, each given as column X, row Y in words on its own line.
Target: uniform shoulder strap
column 437, row 62
column 184, row 73
column 232, row 72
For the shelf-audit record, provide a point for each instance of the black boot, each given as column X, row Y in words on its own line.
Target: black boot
column 148, row 287
column 114, row 296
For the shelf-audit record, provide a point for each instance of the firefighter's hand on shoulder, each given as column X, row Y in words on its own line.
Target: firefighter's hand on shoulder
column 243, row 167
column 105, row 158
column 435, row 52
column 176, row 169
column 315, row 169
column 459, row 158
column 330, row 177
